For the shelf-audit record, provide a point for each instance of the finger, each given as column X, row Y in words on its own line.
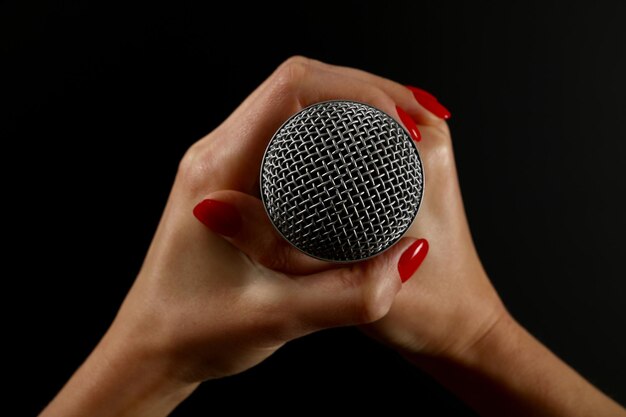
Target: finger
column 360, row 293
column 242, row 220
column 293, row 86
column 422, row 106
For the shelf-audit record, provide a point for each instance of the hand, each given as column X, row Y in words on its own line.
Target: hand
column 210, row 303
column 204, row 307
column 451, row 303
column 448, row 320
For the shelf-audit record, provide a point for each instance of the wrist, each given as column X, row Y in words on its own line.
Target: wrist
column 497, row 335
column 145, row 373
column 506, row 371
column 500, row 339
column 485, row 372
column 123, row 376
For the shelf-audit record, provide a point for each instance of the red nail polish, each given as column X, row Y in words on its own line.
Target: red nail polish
column 409, row 124
column 430, row 102
column 220, row 217
column 412, row 258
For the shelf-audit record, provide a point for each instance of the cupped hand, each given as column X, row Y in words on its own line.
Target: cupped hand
column 220, row 290
column 215, row 306
column 450, row 304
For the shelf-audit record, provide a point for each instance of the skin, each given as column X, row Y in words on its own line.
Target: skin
column 205, row 306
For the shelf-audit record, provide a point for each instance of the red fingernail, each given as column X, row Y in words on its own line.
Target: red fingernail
column 220, row 217
column 430, row 102
column 412, row 258
column 409, row 124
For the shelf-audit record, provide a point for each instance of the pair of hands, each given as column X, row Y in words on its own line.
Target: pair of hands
column 213, row 301
column 216, row 302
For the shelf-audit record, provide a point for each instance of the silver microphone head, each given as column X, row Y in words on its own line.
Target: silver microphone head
column 341, row 181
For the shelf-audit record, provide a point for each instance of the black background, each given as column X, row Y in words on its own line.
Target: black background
column 101, row 102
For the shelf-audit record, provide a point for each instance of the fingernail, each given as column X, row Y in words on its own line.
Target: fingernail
column 412, row 258
column 409, row 124
column 220, row 217
column 430, row 102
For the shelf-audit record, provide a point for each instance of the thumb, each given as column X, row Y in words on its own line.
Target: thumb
column 241, row 219
column 360, row 293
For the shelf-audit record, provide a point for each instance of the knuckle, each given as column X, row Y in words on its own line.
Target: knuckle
column 374, row 304
column 375, row 292
column 440, row 152
column 297, row 62
column 188, row 158
column 437, row 147
column 194, row 168
column 290, row 73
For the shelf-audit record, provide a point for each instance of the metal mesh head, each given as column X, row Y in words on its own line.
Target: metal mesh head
column 341, row 181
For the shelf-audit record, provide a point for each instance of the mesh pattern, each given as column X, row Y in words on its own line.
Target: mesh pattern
column 341, row 181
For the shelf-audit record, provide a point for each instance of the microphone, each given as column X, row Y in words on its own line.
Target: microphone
column 341, row 181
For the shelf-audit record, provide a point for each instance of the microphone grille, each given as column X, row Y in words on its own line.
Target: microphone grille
column 341, row 181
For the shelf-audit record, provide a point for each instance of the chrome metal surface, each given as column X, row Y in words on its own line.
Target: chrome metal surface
column 341, row 181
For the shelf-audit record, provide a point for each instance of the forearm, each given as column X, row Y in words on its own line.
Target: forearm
column 119, row 380
column 509, row 373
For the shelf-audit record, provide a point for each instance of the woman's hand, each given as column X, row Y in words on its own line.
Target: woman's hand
column 204, row 307
column 448, row 320
column 451, row 303
column 213, row 301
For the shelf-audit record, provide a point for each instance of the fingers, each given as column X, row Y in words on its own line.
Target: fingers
column 334, row 295
column 410, row 99
column 293, row 86
column 242, row 220
column 241, row 140
column 360, row 293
